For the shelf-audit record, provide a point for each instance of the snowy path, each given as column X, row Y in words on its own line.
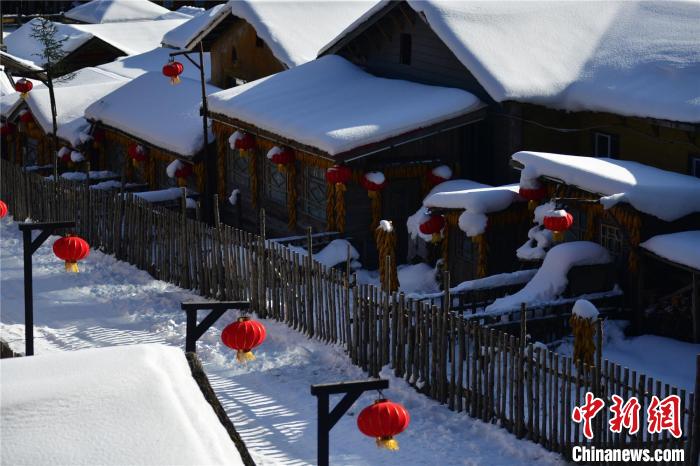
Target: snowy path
column 113, row 303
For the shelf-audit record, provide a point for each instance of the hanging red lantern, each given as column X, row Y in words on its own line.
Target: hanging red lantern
column 71, row 249
column 533, row 195
column 558, row 221
column 7, row 128
column 433, row 226
column 173, row 70
column 383, row 420
column 26, row 117
column 338, row 174
column 183, row 171
column 373, row 181
column 244, row 141
column 23, row 86
column 64, row 154
column 281, row 157
column 439, row 175
column 3, row 209
column 242, row 336
column 136, row 152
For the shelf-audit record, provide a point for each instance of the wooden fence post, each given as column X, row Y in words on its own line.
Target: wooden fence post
column 309, row 300
column 694, row 435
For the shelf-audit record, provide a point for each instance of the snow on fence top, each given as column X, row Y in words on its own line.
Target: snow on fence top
column 136, row 65
column 110, row 11
column 334, row 106
column 72, row 98
column 551, row 278
column 130, row 37
column 682, row 248
column 633, row 58
column 474, row 198
column 135, row 405
column 663, row 194
column 153, row 110
column 294, row 31
column 585, row 309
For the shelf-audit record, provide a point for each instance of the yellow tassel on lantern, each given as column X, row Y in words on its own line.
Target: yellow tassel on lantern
column 182, row 182
column 134, row 163
column 436, row 238
column 175, row 80
column 390, row 443
column 23, row 95
column 558, row 236
column 71, row 266
column 281, row 168
column 531, row 205
column 244, row 356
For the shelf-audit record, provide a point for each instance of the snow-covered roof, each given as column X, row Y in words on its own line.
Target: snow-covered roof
column 135, row 405
column 110, row 11
column 635, row 58
column 476, row 199
column 551, row 280
column 663, row 194
column 130, row 37
column 135, row 65
column 294, row 31
column 332, row 105
column 152, row 109
column 9, row 98
column 72, row 98
column 682, row 248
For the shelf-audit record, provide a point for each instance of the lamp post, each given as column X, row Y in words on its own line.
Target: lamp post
column 210, row 162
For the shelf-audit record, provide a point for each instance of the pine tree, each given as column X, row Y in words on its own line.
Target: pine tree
column 51, row 57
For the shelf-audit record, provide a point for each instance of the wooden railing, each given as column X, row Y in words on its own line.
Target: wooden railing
column 488, row 373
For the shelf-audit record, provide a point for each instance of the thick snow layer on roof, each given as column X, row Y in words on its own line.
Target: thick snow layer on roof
column 476, row 199
column 663, row 194
column 551, row 278
column 682, row 248
column 182, row 37
column 294, row 31
column 325, row 104
column 9, row 98
column 153, row 60
column 72, row 98
column 152, row 109
column 635, row 58
column 135, row 405
column 109, row 11
column 130, row 37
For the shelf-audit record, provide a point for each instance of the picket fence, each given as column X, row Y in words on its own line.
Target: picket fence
column 489, row 374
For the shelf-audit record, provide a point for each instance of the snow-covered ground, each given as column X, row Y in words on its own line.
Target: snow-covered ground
column 112, row 303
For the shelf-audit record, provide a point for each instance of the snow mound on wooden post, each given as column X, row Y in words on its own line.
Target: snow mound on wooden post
column 551, row 279
column 76, row 156
column 386, row 225
column 233, row 198
column 585, row 309
column 133, row 405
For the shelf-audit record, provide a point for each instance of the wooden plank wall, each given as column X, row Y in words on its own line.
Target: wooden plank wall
column 466, row 365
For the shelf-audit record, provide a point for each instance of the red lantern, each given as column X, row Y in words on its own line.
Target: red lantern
column 245, row 142
column 383, row 420
column 558, row 221
column 136, row 152
column 173, row 70
column 64, row 155
column 281, row 157
column 183, row 171
column 23, row 86
column 7, row 129
column 3, row 209
column 338, row 174
column 433, row 226
column 26, row 117
column 373, row 181
column 242, row 336
column 71, row 249
column 533, row 195
column 439, row 175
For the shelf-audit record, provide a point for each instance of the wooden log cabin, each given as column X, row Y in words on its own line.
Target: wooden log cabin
column 567, row 78
column 622, row 205
column 152, row 132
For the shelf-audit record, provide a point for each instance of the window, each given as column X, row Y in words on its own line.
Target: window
column 577, row 232
column 606, row 145
column 237, row 175
column 611, row 239
column 275, row 184
column 259, row 42
column 234, row 55
column 31, row 151
column 405, row 49
column 695, row 165
column 115, row 155
column 313, row 196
